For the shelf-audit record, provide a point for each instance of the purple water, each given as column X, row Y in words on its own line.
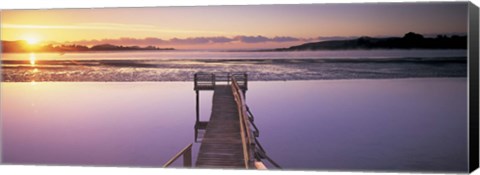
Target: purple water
column 394, row 124
column 390, row 125
column 121, row 124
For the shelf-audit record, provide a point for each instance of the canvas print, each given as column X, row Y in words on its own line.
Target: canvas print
column 352, row 87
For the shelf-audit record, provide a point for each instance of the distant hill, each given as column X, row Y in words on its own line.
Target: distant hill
column 408, row 41
column 110, row 47
column 14, row 46
column 23, row 46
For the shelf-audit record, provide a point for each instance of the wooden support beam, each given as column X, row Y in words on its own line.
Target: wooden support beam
column 187, row 157
column 197, row 106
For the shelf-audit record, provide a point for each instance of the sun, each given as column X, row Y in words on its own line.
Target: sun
column 32, row 40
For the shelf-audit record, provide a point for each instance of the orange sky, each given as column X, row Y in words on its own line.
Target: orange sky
column 301, row 23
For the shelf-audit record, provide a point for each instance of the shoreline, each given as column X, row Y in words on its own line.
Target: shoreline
column 257, row 69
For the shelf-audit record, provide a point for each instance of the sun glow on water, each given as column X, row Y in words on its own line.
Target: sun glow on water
column 32, row 59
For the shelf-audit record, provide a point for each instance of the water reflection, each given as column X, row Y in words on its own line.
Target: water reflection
column 399, row 124
column 32, row 59
column 35, row 70
column 88, row 124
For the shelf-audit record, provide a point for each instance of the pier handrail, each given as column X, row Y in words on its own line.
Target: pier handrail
column 248, row 142
column 187, row 157
column 252, row 148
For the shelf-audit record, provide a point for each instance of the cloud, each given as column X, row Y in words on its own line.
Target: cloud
column 251, row 39
column 200, row 40
column 285, row 39
column 325, row 38
column 261, row 39
column 188, row 41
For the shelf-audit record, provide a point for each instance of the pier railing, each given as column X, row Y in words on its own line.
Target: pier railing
column 208, row 81
column 248, row 142
column 187, row 157
column 253, row 152
column 252, row 149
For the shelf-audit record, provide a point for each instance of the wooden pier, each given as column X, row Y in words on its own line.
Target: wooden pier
column 229, row 139
column 222, row 143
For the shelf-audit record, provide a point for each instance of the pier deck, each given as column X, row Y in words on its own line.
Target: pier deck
column 222, row 143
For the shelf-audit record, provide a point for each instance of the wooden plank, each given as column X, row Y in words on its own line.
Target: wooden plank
column 260, row 166
column 221, row 145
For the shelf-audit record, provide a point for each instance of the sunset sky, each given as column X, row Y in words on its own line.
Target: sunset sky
column 236, row 27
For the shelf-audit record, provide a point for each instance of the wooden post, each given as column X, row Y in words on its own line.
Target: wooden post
column 195, row 81
column 195, row 137
column 228, row 78
column 213, row 80
column 187, row 158
column 198, row 107
column 246, row 81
